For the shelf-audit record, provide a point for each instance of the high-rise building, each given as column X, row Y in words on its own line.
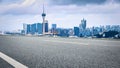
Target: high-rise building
column 33, row 29
column 82, row 27
column 24, row 31
column 54, row 26
column 28, row 30
column 39, row 28
column 53, row 30
column 76, row 31
column 83, row 24
column 46, row 26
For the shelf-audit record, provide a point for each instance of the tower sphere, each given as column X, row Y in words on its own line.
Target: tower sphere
column 43, row 14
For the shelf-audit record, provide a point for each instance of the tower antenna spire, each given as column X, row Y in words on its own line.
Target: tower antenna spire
column 43, row 8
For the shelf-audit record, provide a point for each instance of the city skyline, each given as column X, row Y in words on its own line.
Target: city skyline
column 65, row 14
column 41, row 29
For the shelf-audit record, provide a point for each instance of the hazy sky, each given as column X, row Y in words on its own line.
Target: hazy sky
column 65, row 13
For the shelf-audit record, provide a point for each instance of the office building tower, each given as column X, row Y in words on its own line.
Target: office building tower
column 46, row 26
column 33, row 29
column 53, row 30
column 39, row 28
column 76, row 31
column 83, row 24
column 28, row 30
column 54, row 26
column 24, row 31
column 82, row 28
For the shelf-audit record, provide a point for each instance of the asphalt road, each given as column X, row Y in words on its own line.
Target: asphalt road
column 50, row 52
column 4, row 64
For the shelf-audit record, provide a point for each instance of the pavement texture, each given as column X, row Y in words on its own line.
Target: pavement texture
column 54, row 52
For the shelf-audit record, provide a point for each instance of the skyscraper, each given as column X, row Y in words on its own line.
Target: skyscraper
column 43, row 16
column 53, row 30
column 24, row 29
column 46, row 26
column 82, row 27
column 76, row 31
column 39, row 28
column 33, row 29
column 28, row 30
column 54, row 26
column 83, row 24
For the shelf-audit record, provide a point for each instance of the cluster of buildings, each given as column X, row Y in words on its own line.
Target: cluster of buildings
column 36, row 28
column 79, row 31
column 82, row 31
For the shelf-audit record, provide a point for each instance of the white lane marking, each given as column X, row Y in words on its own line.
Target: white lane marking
column 11, row 61
column 67, row 42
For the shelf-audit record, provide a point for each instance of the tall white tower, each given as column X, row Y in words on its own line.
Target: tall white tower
column 43, row 16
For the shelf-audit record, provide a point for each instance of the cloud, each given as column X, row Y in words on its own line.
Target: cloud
column 17, row 8
column 81, row 2
column 77, row 2
column 10, row 1
column 109, row 8
column 69, row 7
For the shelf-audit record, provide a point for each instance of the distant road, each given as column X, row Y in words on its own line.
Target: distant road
column 54, row 52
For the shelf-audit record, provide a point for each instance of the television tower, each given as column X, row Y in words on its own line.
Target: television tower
column 43, row 16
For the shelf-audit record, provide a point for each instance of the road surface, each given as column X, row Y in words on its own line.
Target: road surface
column 53, row 52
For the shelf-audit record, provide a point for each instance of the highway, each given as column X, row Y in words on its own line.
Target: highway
column 56, row 52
